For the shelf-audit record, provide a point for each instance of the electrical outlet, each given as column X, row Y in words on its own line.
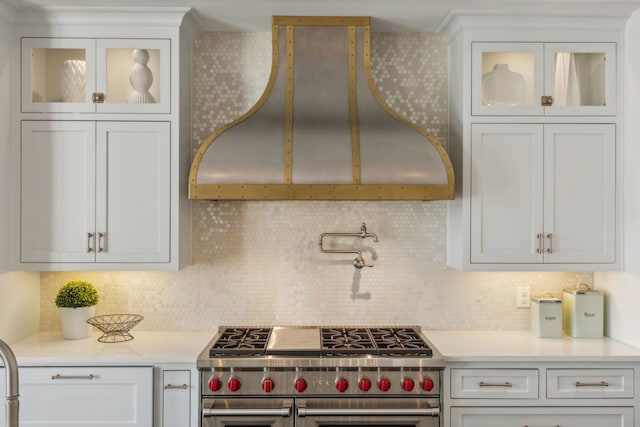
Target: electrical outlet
column 523, row 297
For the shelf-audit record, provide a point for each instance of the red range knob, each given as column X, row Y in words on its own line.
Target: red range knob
column 268, row 385
column 364, row 384
column 234, row 384
column 427, row 384
column 342, row 385
column 407, row 384
column 215, row 384
column 384, row 384
column 300, row 384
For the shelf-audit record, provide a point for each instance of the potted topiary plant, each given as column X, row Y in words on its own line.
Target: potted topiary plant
column 76, row 301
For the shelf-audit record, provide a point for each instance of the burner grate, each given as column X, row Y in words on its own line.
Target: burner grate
column 241, row 342
column 401, row 342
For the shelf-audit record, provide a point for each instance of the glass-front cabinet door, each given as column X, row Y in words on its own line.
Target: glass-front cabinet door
column 95, row 75
column 565, row 79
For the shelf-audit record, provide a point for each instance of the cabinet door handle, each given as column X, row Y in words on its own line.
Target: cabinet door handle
column 600, row 384
column 550, row 248
column 172, row 386
column 100, row 241
column 539, row 236
column 504, row 384
column 72, row 377
column 546, row 101
column 89, row 237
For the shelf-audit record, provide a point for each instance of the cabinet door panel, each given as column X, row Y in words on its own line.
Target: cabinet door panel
column 506, row 193
column 57, row 191
column 133, row 178
column 176, row 398
column 46, row 87
column 579, row 193
column 117, row 67
column 581, row 78
column 565, row 417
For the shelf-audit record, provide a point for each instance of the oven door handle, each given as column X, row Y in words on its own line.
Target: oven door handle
column 285, row 411
column 338, row 412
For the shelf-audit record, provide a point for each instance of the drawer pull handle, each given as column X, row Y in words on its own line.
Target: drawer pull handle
column 600, row 384
column 504, row 384
column 172, row 386
column 72, row 377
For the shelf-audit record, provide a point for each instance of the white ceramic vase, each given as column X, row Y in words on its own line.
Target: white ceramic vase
column 141, row 78
column 74, row 322
column 503, row 87
column 73, row 80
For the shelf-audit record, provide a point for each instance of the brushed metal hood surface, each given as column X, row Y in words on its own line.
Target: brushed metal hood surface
column 321, row 130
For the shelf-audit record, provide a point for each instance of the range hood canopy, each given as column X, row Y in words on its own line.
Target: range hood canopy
column 321, row 130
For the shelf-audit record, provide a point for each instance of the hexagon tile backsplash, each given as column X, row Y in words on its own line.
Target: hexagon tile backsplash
column 259, row 263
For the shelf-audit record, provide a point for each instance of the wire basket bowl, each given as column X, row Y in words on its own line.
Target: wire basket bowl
column 115, row 327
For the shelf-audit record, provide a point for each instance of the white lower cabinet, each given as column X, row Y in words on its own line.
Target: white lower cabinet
column 86, row 396
column 176, row 398
column 571, row 394
column 552, row 417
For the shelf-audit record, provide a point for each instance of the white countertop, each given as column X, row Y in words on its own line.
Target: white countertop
column 49, row 348
column 147, row 347
column 513, row 346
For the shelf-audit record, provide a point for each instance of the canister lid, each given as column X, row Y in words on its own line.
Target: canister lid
column 547, row 297
column 580, row 289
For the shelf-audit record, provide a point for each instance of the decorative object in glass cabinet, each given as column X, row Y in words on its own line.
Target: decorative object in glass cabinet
column 141, row 78
column 131, row 74
column 503, row 87
column 58, row 75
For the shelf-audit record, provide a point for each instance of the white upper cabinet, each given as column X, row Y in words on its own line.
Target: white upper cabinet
column 553, row 79
column 95, row 193
column 533, row 202
column 95, row 75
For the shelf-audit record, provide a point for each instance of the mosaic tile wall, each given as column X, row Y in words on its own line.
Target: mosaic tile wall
column 260, row 263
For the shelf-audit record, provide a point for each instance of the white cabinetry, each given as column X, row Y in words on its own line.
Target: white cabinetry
column 103, row 157
column 95, row 192
column 88, row 396
column 534, row 140
column 543, row 78
column 554, row 394
column 176, row 398
column 543, row 193
column 52, row 67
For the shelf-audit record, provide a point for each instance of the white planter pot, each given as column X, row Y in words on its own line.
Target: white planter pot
column 74, row 322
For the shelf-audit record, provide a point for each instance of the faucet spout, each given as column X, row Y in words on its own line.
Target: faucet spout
column 11, row 371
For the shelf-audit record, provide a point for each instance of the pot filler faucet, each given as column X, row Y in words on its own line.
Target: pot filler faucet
column 11, row 368
column 359, row 261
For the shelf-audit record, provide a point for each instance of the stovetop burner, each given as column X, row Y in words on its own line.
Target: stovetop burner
column 325, row 342
column 235, row 341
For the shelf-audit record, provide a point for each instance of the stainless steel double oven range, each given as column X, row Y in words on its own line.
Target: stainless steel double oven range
column 320, row 377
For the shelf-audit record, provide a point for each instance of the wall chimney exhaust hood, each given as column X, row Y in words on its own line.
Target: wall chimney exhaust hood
column 321, row 130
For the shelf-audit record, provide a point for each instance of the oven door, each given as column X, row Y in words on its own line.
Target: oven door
column 247, row 412
column 386, row 412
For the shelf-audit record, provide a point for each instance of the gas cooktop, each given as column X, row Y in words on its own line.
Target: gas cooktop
column 319, row 342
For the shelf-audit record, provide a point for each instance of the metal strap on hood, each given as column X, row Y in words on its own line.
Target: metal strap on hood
column 321, row 130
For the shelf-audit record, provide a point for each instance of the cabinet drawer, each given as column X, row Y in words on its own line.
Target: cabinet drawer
column 565, row 417
column 105, row 396
column 589, row 383
column 494, row 383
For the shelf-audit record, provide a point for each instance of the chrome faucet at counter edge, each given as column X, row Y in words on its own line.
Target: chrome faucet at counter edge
column 11, row 368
